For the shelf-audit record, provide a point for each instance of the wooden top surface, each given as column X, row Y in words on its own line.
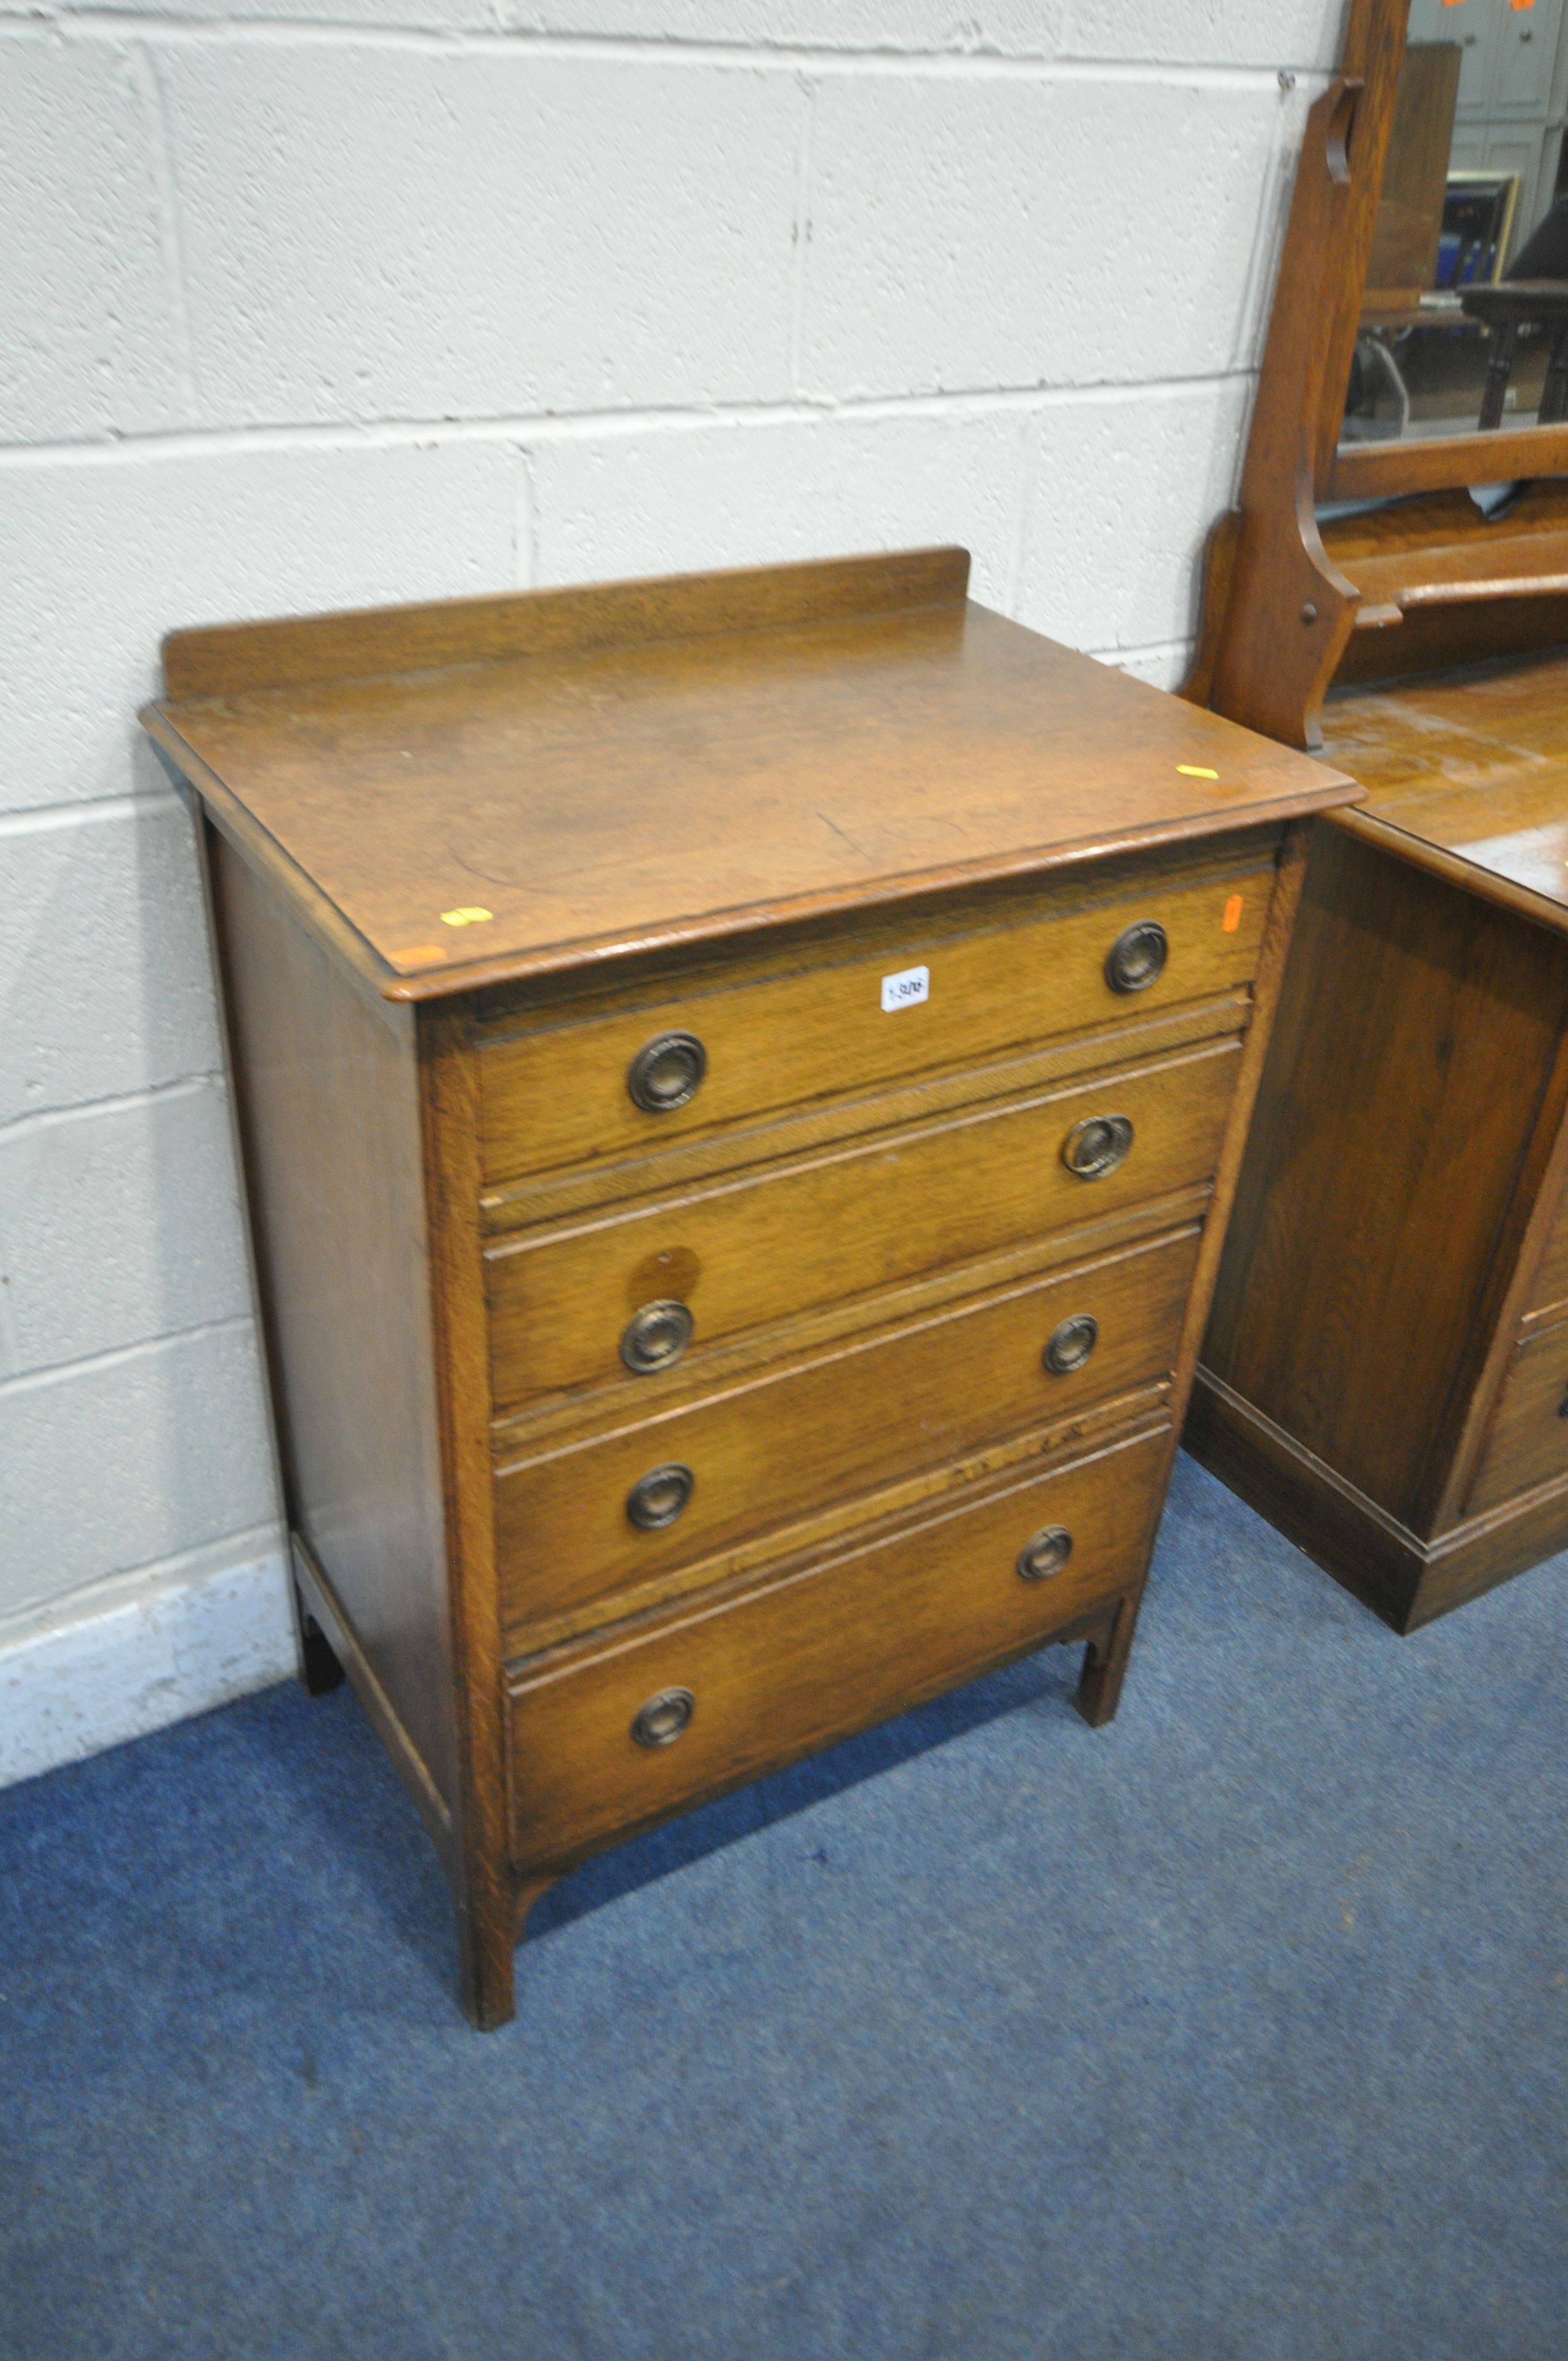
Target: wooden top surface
column 463, row 793
column 1472, row 764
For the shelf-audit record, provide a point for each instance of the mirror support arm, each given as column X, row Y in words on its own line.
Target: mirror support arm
column 1278, row 612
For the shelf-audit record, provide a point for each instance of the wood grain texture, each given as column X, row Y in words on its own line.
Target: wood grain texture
column 1371, row 1552
column 1366, row 1258
column 1288, row 610
column 773, row 1242
column 326, row 1088
column 1527, row 1441
column 813, row 1430
column 236, row 659
column 1392, row 1225
column 600, row 805
column 1473, row 762
column 1382, row 471
column 727, row 807
column 1415, row 176
column 1548, row 1285
column 1441, row 550
column 718, row 1368
column 560, row 1095
column 486, row 1903
column 816, row 1652
column 545, row 1200
column 1268, row 987
column 1404, row 1580
column 1216, row 573
column 1433, row 639
column 814, row 1530
column 1510, row 1283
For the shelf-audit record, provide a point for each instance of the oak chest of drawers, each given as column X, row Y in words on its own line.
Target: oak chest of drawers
column 740, row 1079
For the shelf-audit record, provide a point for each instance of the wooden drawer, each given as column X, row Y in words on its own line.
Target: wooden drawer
column 1527, row 1441
column 833, row 1646
column 1550, row 1285
column 761, row 1246
column 560, row 1095
column 845, row 1420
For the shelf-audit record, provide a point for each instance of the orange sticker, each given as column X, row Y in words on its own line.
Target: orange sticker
column 1454, row 4
column 418, row 955
column 1233, row 917
column 1517, row 4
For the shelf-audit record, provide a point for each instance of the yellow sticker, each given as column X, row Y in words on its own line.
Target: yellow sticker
column 1196, row 771
column 464, row 917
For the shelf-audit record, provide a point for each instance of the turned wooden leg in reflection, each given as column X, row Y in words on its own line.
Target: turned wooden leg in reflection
column 1105, row 1666
column 1554, row 390
column 1499, row 368
column 319, row 1668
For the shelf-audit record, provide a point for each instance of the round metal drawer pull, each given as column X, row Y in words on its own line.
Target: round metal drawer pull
column 655, row 1336
column 666, row 1073
column 1097, row 1145
column 1137, row 957
column 1045, row 1554
column 1069, row 1346
column 663, row 1718
column 658, row 1498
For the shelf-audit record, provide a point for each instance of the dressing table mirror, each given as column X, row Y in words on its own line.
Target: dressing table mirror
column 1385, row 1373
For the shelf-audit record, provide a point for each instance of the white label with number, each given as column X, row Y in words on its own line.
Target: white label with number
column 906, row 989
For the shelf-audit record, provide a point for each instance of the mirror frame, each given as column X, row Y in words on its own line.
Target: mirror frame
column 1278, row 612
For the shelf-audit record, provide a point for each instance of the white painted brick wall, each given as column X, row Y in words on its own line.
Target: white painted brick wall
column 318, row 302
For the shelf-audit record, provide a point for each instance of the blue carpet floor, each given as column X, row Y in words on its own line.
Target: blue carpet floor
column 1237, row 2029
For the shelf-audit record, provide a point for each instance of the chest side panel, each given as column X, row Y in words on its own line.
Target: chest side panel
column 326, row 1079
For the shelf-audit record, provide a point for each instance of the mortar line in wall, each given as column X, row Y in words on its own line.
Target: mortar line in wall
column 139, row 1585
column 23, row 1126
column 1183, row 642
column 390, row 433
column 283, row 32
column 86, row 1364
column 91, row 811
column 150, row 88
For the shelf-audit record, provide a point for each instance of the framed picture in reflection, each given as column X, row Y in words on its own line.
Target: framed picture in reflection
column 1478, row 210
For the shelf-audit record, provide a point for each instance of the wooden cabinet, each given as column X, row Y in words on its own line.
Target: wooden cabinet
column 1385, row 1372
column 740, row 1080
column 1385, row 1361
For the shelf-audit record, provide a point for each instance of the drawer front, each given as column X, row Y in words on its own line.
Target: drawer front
column 564, row 1094
column 1552, row 1277
column 1528, row 1442
column 582, row 1522
column 774, row 1242
column 830, row 1649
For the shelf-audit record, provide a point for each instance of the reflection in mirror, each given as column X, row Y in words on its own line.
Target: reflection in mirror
column 1464, row 319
